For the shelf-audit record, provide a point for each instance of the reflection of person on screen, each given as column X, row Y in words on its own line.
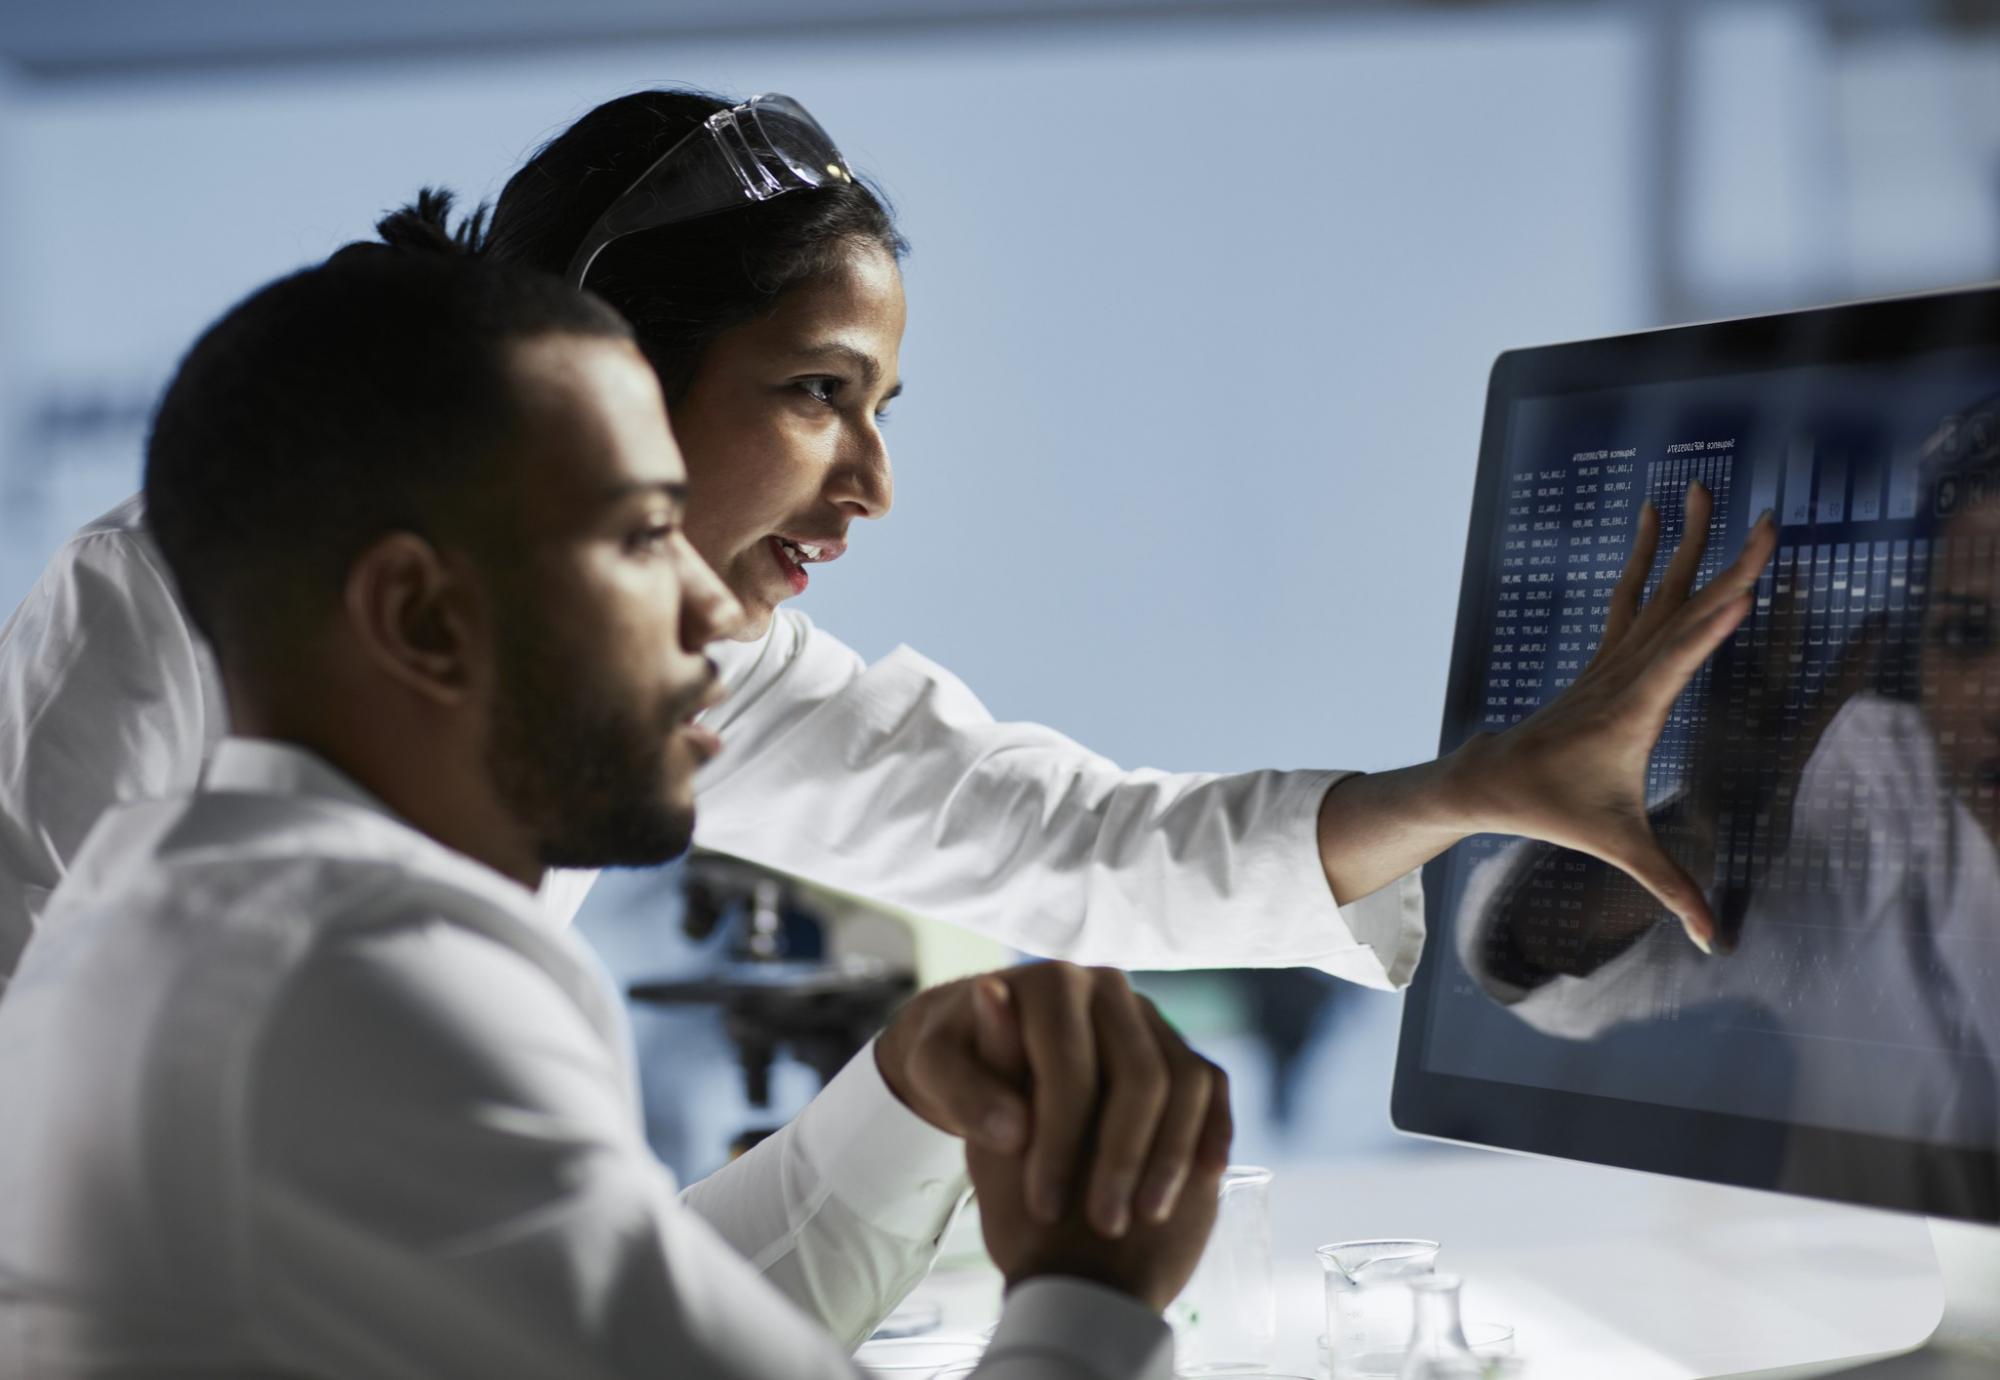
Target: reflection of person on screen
column 1872, row 938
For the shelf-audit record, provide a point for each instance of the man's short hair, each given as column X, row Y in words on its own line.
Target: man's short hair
column 367, row 395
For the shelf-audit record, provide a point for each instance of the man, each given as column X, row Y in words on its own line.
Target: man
column 309, row 1084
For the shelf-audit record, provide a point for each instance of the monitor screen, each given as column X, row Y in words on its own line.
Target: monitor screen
column 1832, row 776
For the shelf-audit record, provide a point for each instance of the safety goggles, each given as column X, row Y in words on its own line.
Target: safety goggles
column 760, row 149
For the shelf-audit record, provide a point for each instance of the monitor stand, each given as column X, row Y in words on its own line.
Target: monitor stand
column 1966, row 1342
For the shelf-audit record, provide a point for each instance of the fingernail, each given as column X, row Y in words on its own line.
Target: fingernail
column 1003, row 1128
column 1764, row 517
column 1700, row 942
column 1113, row 1212
column 1158, row 1200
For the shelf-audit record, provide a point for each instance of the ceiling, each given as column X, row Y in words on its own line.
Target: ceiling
column 71, row 39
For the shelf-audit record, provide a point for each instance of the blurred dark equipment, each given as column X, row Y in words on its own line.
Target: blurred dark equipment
column 776, row 989
column 1286, row 1007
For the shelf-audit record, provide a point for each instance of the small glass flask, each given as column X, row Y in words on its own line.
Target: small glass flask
column 1438, row 1349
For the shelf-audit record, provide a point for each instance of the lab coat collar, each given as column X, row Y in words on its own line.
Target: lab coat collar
column 266, row 766
column 269, row 767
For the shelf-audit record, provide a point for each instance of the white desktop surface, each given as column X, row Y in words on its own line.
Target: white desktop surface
column 1605, row 1274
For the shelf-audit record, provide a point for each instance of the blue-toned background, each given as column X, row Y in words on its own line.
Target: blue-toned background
column 1202, row 304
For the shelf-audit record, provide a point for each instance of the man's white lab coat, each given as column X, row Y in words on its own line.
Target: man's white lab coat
column 296, row 1090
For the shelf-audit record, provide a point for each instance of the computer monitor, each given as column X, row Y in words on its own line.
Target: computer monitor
column 1832, row 776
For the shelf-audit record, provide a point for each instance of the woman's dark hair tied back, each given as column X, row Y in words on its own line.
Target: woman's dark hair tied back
column 425, row 225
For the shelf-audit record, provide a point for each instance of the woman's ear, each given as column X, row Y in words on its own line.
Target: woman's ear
column 416, row 617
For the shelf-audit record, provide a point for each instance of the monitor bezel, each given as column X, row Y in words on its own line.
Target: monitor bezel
column 1711, row 1146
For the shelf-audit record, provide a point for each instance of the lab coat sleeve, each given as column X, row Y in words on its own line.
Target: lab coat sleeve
column 1629, row 986
column 449, row 1178
column 843, row 1209
column 106, row 695
column 892, row 781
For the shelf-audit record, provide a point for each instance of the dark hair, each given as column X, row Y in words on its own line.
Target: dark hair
column 682, row 285
column 366, row 395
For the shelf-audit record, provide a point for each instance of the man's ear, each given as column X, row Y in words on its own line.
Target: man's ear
column 417, row 617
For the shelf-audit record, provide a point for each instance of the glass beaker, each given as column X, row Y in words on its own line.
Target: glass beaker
column 1438, row 1349
column 1227, row 1317
column 1368, row 1309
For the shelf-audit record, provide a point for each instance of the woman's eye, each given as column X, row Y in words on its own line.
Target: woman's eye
column 652, row 538
column 821, row 388
column 1968, row 636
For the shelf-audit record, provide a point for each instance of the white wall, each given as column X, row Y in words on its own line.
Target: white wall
column 1201, row 315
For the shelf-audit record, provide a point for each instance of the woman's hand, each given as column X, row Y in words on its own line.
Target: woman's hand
column 1574, row 772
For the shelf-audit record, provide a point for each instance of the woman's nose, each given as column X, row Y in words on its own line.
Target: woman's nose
column 863, row 484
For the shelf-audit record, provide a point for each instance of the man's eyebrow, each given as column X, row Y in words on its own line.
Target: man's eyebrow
column 860, row 361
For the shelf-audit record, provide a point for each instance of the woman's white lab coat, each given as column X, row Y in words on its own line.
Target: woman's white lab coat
column 889, row 781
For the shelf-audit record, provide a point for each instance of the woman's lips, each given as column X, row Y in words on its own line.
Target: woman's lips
column 794, row 573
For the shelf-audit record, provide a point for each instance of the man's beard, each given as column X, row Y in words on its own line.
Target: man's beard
column 574, row 762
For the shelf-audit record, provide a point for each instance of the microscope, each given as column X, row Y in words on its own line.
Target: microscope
column 807, row 971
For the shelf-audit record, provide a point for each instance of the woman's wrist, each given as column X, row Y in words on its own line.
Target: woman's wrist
column 1377, row 826
column 1469, row 800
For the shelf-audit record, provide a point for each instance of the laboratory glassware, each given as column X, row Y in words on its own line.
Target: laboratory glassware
column 1438, row 1349
column 1368, row 1308
column 1226, row 1320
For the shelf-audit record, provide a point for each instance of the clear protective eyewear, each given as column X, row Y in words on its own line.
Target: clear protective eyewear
column 763, row 148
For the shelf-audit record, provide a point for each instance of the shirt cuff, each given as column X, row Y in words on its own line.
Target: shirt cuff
column 889, row 1166
column 1390, row 924
column 1379, row 937
column 1097, row 1330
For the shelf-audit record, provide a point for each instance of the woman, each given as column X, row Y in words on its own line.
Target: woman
column 774, row 327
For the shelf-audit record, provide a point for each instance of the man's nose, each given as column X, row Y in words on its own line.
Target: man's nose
column 709, row 610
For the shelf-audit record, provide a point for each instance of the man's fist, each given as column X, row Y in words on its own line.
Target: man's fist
column 1077, row 1076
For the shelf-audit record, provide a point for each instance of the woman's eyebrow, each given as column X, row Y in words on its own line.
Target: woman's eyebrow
column 859, row 360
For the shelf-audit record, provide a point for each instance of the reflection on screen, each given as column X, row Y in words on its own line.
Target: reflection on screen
column 1830, row 776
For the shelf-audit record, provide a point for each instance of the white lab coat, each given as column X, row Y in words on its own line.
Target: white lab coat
column 297, row 1090
column 888, row 781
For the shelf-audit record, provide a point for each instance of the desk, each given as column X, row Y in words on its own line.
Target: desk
column 1605, row 1274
